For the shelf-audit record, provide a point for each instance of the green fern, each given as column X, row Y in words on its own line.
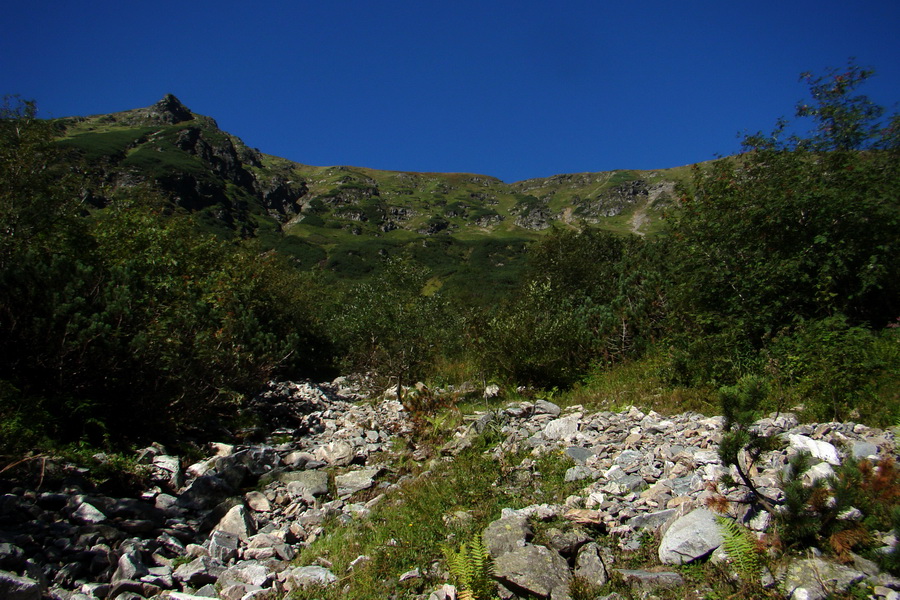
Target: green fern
column 740, row 545
column 471, row 569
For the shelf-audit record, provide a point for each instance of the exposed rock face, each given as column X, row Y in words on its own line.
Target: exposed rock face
column 170, row 110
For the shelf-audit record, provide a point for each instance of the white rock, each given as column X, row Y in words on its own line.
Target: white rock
column 818, row 449
column 560, row 429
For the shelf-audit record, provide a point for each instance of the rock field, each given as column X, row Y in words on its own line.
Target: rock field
column 198, row 533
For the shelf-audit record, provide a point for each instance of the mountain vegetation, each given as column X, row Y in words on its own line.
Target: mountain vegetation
column 156, row 270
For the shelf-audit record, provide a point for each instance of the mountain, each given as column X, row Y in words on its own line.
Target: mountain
column 346, row 218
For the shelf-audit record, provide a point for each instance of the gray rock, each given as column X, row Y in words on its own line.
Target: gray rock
column 167, row 470
column 650, row 580
column 507, row 535
column 817, row 448
column 87, row 514
column 629, row 458
column 579, row 454
column 303, row 577
column 237, row 521
column 306, row 484
column 337, row 454
column 246, row 572
column 693, row 536
column 861, row 450
column 534, row 570
column 589, row 565
column 130, row 567
column 560, row 429
column 652, row 520
column 545, row 407
column 566, row 542
column 160, row 577
column 355, row 481
column 223, row 546
column 13, row 587
column 814, row 579
column 297, row 459
column 257, row 502
column 264, row 545
column 121, row 589
column 205, row 492
column 579, row 472
column 199, row 571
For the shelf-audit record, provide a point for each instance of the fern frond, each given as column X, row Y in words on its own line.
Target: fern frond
column 741, row 546
column 471, row 569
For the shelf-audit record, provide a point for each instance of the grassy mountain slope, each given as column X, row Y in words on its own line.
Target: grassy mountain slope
column 348, row 218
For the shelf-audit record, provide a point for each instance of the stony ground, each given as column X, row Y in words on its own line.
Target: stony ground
column 232, row 524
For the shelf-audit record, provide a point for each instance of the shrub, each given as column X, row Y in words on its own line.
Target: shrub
column 832, row 368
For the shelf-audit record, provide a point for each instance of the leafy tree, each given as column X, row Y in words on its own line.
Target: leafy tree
column 796, row 227
column 36, row 195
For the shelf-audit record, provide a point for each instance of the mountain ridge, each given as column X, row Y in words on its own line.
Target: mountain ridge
column 342, row 217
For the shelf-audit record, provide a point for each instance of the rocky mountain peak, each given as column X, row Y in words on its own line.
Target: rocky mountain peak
column 171, row 110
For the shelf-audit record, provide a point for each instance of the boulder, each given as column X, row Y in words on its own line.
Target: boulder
column 507, row 535
column 535, row 570
column 223, row 546
column 650, row 580
column 693, row 536
column 336, row 454
column 561, row 429
column 817, row 448
column 306, row 484
column 303, row 577
column 237, row 521
column 815, row 578
column 355, row 481
column 589, row 565
column 199, row 571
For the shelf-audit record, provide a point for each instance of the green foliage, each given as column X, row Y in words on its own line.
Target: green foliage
column 793, row 230
column 740, row 545
column 389, row 328
column 740, row 405
column 36, row 193
column 471, row 569
column 816, row 513
column 130, row 315
column 833, row 368
column 588, row 297
column 96, row 146
column 179, row 323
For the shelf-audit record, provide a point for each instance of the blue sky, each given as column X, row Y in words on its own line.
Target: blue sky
column 513, row 89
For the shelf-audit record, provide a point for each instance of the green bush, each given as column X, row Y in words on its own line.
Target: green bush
column 390, row 328
column 588, row 298
column 814, row 512
column 833, row 368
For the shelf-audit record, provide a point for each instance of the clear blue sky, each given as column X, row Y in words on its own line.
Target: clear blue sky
column 513, row 89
